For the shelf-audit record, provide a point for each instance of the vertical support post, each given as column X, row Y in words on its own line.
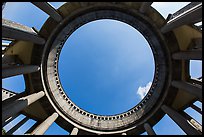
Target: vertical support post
column 192, row 15
column 149, row 129
column 16, row 106
column 180, row 120
column 74, row 131
column 18, row 70
column 40, row 130
column 192, row 121
column 12, row 30
column 193, row 89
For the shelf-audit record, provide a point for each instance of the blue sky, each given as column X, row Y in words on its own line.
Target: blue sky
column 105, row 67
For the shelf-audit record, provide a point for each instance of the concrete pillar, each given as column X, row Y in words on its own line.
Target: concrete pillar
column 188, row 55
column 18, row 70
column 124, row 134
column 149, row 129
column 179, row 120
column 40, row 130
column 190, row 16
column 193, row 89
column 145, row 6
column 12, row 30
column 192, row 121
column 196, row 108
column 13, row 129
column 47, row 8
column 74, row 131
column 19, row 104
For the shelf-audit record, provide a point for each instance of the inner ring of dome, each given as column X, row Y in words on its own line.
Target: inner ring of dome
column 73, row 112
column 106, row 67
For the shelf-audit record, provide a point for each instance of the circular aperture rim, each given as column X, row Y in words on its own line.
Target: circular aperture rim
column 113, row 121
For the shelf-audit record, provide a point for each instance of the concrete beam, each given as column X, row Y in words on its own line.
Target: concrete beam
column 180, row 120
column 192, row 121
column 47, row 8
column 13, row 129
column 193, row 89
column 145, row 6
column 16, row 31
column 192, row 15
column 149, row 129
column 18, row 70
column 74, row 131
column 40, row 130
column 18, row 105
column 188, row 55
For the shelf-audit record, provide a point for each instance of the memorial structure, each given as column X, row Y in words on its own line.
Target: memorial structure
column 35, row 54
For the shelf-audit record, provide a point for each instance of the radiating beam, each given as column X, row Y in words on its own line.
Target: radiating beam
column 180, row 120
column 192, row 121
column 193, row 89
column 145, row 6
column 192, row 15
column 13, row 129
column 188, row 55
column 18, row 70
column 18, row 105
column 40, row 130
column 74, row 131
column 149, row 129
column 47, row 8
column 13, row 30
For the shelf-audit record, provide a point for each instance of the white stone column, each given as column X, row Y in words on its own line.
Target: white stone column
column 19, row 104
column 40, row 130
column 180, row 120
column 74, row 131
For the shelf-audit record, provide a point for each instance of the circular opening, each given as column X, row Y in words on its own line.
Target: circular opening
column 106, row 67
